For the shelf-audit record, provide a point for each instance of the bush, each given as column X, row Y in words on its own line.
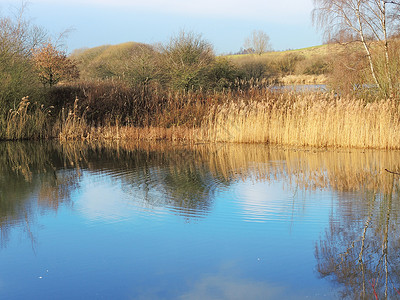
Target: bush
column 18, row 78
column 253, row 70
column 349, row 71
column 318, row 67
column 222, row 74
column 186, row 61
column 287, row 64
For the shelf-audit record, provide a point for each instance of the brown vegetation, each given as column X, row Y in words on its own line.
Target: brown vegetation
column 262, row 116
column 53, row 65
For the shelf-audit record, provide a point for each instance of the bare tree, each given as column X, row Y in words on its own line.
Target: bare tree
column 259, row 41
column 369, row 20
column 17, row 39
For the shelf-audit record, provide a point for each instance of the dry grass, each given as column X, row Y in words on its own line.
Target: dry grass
column 27, row 121
column 313, row 119
column 308, row 52
column 261, row 116
column 114, row 133
column 74, row 125
column 303, row 79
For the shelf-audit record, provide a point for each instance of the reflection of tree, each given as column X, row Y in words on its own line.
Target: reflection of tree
column 183, row 178
column 175, row 178
column 362, row 254
column 25, row 169
column 189, row 187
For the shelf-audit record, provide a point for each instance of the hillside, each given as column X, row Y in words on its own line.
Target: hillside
column 109, row 60
column 300, row 66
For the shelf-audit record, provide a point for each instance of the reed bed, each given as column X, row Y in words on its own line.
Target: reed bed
column 313, row 119
column 304, row 79
column 118, row 133
column 27, row 121
column 257, row 115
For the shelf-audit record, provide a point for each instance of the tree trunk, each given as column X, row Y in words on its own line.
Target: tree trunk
column 386, row 48
column 367, row 50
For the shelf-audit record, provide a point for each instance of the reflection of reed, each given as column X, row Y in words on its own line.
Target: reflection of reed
column 187, row 174
column 341, row 170
column 310, row 169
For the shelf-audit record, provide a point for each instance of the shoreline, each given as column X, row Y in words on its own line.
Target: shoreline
column 288, row 118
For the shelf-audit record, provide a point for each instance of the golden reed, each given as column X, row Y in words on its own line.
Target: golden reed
column 308, row 119
column 291, row 119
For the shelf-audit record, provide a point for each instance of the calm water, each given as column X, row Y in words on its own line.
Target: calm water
column 201, row 222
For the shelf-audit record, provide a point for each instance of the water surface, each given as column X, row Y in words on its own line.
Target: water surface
column 201, row 222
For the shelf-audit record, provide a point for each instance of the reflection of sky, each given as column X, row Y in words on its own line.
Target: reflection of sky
column 258, row 241
column 109, row 199
column 270, row 202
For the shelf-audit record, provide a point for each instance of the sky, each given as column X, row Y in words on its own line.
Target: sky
column 223, row 23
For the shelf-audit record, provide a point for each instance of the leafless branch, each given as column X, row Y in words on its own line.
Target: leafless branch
column 391, row 172
column 392, row 2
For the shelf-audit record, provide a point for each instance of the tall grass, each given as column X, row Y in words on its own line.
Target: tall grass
column 313, row 119
column 73, row 126
column 27, row 121
column 257, row 115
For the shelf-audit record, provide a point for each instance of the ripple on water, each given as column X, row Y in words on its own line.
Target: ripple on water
column 264, row 201
column 120, row 194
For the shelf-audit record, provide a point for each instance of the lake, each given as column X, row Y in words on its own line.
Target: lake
column 162, row 221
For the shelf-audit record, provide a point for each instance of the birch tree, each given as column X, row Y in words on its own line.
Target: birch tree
column 370, row 22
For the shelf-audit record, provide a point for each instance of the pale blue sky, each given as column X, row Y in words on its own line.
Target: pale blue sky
column 224, row 23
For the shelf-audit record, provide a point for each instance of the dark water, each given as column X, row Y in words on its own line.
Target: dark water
column 201, row 222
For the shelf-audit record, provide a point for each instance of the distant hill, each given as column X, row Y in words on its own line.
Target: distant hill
column 110, row 61
column 307, row 52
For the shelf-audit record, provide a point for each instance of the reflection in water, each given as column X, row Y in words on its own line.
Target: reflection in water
column 25, row 168
column 359, row 249
column 361, row 252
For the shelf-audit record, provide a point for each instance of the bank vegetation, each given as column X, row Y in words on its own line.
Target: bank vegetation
column 182, row 91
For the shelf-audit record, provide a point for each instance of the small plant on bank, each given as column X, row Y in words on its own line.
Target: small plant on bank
column 27, row 121
column 73, row 126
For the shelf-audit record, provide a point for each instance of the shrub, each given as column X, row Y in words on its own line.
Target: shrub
column 253, row 69
column 287, row 64
column 53, row 65
column 317, row 68
column 349, row 71
column 17, row 76
column 186, row 60
column 222, row 74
